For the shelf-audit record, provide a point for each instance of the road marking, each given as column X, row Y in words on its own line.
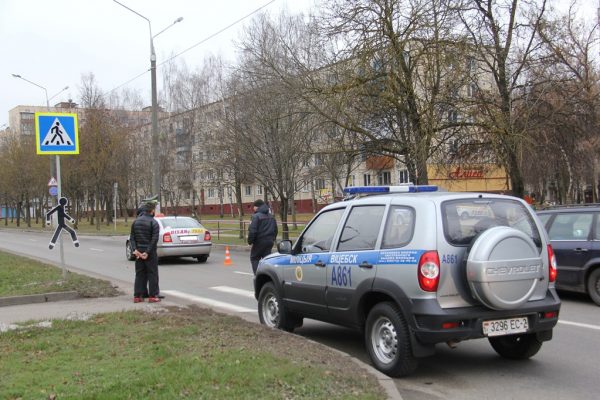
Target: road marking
column 33, row 240
column 579, row 324
column 228, row 289
column 243, row 273
column 100, row 250
column 208, row 302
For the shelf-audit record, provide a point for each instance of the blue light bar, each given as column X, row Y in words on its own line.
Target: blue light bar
column 355, row 190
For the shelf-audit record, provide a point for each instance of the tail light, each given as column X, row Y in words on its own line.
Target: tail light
column 167, row 238
column 429, row 271
column 552, row 262
column 207, row 236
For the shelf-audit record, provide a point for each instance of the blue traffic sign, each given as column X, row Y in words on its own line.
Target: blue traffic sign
column 53, row 190
column 56, row 133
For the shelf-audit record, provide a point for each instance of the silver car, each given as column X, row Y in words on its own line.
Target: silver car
column 410, row 267
column 179, row 237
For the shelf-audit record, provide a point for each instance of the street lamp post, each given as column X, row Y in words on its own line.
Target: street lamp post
column 156, row 178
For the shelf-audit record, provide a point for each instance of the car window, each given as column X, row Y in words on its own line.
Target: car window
column 319, row 234
column 176, row 223
column 571, row 226
column 597, row 227
column 544, row 218
column 466, row 218
column 399, row 227
column 361, row 228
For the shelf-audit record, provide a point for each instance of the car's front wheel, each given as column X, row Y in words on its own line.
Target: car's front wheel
column 271, row 311
column 516, row 347
column 129, row 252
column 388, row 342
column 593, row 286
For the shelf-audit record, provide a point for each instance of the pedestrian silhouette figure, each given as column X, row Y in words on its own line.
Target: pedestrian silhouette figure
column 61, row 214
column 57, row 135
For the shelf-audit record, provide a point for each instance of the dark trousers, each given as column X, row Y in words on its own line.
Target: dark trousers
column 259, row 250
column 146, row 277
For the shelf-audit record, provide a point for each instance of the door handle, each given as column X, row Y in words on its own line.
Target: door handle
column 365, row 264
column 580, row 249
column 320, row 264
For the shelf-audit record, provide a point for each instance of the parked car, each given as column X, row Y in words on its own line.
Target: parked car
column 402, row 265
column 575, row 236
column 179, row 237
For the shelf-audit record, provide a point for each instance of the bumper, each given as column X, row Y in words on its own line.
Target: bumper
column 429, row 317
column 184, row 250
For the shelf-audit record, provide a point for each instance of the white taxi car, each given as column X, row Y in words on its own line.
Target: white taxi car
column 179, row 237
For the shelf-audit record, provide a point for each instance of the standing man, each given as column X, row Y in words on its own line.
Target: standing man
column 262, row 233
column 143, row 239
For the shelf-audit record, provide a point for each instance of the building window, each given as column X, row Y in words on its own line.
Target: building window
column 471, row 90
column 471, row 64
column 319, row 184
column 318, row 159
column 211, row 193
column 247, row 190
column 403, row 176
column 367, row 180
column 384, row 178
column 259, row 189
column 351, row 180
column 305, row 186
column 453, row 116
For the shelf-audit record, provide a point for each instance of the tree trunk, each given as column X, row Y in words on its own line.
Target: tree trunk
column 283, row 211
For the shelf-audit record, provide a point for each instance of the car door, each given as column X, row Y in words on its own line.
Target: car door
column 353, row 264
column 570, row 234
column 305, row 276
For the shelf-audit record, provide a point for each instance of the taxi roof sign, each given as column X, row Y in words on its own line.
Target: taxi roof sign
column 56, row 133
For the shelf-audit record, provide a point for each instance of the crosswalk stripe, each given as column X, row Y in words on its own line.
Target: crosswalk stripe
column 243, row 273
column 228, row 289
column 208, row 302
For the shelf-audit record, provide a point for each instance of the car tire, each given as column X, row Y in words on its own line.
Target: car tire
column 271, row 311
column 388, row 342
column 593, row 286
column 202, row 258
column 129, row 252
column 516, row 347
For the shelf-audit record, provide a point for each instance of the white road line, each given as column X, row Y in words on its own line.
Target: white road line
column 228, row 289
column 579, row 324
column 91, row 248
column 208, row 302
column 33, row 240
column 243, row 273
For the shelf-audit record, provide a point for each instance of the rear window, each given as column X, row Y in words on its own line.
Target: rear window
column 464, row 219
column 177, row 223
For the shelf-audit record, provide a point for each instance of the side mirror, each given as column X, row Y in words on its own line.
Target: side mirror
column 284, row 247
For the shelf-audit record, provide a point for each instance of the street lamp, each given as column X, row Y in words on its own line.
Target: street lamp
column 155, row 153
column 40, row 86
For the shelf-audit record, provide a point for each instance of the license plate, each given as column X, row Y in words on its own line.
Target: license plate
column 507, row 326
column 188, row 238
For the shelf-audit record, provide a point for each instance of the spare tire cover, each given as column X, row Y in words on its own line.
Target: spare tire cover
column 503, row 268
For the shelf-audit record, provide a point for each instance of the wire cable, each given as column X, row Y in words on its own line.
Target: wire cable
column 193, row 46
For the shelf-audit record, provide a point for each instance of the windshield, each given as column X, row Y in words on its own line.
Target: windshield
column 177, row 223
column 464, row 219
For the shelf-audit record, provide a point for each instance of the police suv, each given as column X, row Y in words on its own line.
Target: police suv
column 404, row 265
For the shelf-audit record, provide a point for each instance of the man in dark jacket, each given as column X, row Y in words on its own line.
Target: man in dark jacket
column 143, row 239
column 261, row 233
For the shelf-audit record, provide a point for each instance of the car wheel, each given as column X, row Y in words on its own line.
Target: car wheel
column 388, row 342
column 593, row 286
column 129, row 252
column 271, row 311
column 202, row 258
column 516, row 347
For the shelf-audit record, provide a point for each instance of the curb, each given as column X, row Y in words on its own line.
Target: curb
column 37, row 298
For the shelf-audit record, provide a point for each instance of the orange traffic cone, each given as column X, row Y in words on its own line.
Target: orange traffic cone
column 227, row 256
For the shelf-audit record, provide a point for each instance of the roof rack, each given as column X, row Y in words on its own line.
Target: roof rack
column 352, row 192
column 558, row 206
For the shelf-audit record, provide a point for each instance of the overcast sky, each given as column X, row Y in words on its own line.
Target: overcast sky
column 52, row 43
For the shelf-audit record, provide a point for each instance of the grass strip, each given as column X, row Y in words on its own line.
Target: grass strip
column 190, row 353
column 23, row 276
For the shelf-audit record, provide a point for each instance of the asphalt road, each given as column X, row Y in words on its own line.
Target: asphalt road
column 565, row 368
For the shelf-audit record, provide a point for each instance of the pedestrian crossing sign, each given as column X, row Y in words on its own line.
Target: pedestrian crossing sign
column 56, row 133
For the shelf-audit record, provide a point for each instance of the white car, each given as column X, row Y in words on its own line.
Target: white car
column 179, row 237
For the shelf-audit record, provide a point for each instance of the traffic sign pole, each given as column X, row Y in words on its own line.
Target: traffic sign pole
column 62, row 250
